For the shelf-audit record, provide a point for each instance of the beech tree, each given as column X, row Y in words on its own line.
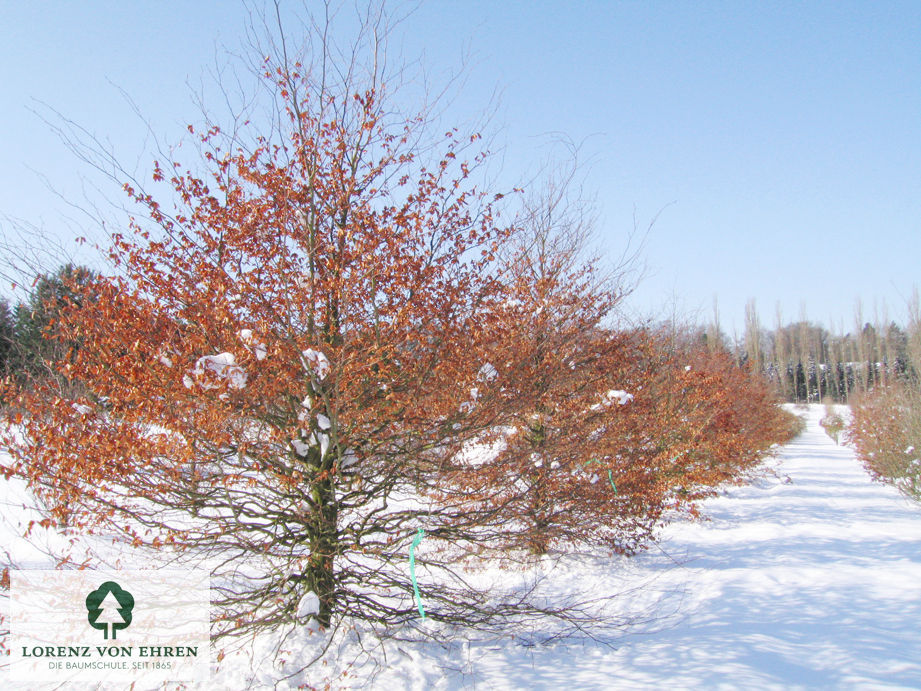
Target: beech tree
column 699, row 421
column 624, row 429
column 554, row 450
column 286, row 374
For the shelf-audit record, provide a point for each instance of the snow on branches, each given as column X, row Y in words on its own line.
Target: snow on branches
column 214, row 371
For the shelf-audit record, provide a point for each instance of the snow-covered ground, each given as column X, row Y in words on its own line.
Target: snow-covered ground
column 808, row 578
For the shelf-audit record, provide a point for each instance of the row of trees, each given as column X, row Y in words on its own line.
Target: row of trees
column 330, row 338
column 807, row 362
column 533, row 454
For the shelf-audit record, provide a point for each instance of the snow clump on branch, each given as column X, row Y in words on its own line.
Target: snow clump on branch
column 216, row 367
column 613, row 396
column 487, row 373
column 617, row 396
column 309, row 605
column 316, row 363
column 257, row 348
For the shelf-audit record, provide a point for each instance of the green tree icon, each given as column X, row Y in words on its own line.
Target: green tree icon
column 109, row 608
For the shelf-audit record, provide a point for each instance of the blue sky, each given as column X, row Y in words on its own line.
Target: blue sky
column 778, row 144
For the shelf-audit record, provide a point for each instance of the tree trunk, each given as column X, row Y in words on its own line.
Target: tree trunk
column 324, row 545
column 538, row 540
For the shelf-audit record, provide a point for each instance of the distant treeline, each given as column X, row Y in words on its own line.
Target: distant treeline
column 808, row 363
column 25, row 351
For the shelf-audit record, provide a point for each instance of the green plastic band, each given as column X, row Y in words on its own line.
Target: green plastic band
column 412, row 570
column 611, row 480
column 610, row 474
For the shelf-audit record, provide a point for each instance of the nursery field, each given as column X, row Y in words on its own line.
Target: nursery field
column 361, row 367
column 810, row 577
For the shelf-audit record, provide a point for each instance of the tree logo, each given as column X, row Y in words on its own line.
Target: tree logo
column 109, row 608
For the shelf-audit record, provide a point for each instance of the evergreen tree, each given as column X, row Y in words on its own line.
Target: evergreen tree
column 34, row 349
column 801, row 394
column 7, row 338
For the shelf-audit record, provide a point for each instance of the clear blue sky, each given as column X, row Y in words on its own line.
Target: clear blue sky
column 780, row 141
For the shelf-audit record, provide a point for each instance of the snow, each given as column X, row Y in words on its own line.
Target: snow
column 487, row 373
column 323, row 422
column 309, row 605
column 479, row 452
column 222, row 366
column 301, row 448
column 810, row 583
column 316, row 363
column 617, row 396
column 256, row 347
column 613, row 396
column 813, row 582
column 304, row 415
column 349, row 458
column 810, row 577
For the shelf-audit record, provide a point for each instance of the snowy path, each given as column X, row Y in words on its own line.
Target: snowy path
column 813, row 582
